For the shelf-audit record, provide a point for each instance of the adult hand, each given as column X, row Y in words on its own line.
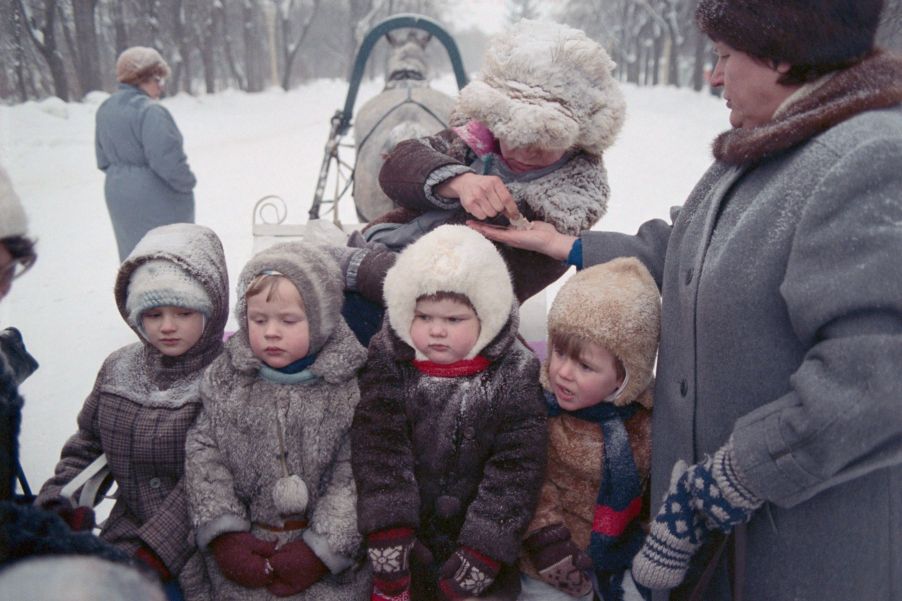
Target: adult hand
column 559, row 561
column 296, row 568
column 703, row 497
column 541, row 238
column 243, row 558
column 467, row 573
column 482, row 196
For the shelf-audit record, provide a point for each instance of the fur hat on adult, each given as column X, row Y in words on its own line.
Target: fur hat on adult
column 615, row 305
column 313, row 272
column 545, row 84
column 138, row 63
column 450, row 258
column 823, row 35
column 12, row 216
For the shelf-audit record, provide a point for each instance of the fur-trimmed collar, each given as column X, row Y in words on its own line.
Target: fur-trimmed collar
column 875, row 83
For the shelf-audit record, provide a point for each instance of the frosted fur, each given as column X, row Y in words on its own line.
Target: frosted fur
column 546, row 84
column 451, row 258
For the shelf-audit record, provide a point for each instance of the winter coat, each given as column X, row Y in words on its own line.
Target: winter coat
column 572, row 197
column 148, row 181
column 233, row 450
column 782, row 326
column 15, row 366
column 459, row 459
column 139, row 413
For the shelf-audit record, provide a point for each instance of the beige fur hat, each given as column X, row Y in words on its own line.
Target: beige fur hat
column 615, row 305
column 12, row 216
column 545, row 84
column 450, row 258
column 138, row 63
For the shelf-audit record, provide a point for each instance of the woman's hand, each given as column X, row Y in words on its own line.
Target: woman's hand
column 482, row 196
column 541, row 238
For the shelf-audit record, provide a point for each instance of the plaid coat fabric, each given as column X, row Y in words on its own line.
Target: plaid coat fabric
column 139, row 413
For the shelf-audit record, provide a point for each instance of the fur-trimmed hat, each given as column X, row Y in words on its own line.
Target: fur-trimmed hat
column 617, row 306
column 12, row 216
column 829, row 34
column 162, row 283
column 548, row 85
column 313, row 272
column 450, row 258
column 137, row 63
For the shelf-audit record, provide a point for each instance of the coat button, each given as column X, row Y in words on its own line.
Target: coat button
column 154, row 483
column 469, row 432
column 684, row 388
column 688, row 276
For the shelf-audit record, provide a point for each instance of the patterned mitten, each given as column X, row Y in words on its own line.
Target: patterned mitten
column 389, row 553
column 467, row 573
column 243, row 558
column 703, row 497
column 296, row 568
column 559, row 561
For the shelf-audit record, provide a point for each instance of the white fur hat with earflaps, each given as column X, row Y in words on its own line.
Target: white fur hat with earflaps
column 12, row 216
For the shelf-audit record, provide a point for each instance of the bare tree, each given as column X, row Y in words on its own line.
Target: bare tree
column 88, row 56
column 42, row 32
column 294, row 19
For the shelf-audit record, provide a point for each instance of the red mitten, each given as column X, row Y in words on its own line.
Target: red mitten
column 467, row 574
column 148, row 557
column 389, row 553
column 243, row 558
column 296, row 568
column 79, row 519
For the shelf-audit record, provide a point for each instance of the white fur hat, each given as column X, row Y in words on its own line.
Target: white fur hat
column 546, row 84
column 12, row 215
column 161, row 283
column 450, row 258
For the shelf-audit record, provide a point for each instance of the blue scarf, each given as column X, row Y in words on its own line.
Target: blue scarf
column 616, row 533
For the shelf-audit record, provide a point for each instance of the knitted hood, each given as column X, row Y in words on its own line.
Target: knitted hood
column 314, row 273
column 615, row 305
column 545, row 84
column 450, row 258
column 197, row 251
column 12, row 215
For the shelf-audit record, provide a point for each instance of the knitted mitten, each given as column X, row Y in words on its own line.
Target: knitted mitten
column 348, row 259
column 559, row 561
column 389, row 553
column 296, row 568
column 703, row 497
column 467, row 573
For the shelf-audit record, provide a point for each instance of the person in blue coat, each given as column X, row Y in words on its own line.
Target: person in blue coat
column 140, row 148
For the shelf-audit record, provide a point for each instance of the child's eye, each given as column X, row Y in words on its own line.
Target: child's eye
column 185, row 313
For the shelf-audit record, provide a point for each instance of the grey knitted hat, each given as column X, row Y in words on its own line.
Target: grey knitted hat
column 161, row 283
column 12, row 215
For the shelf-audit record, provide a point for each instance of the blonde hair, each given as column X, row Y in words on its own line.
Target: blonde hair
column 572, row 346
column 269, row 282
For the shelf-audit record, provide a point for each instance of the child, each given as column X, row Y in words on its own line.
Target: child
column 269, row 477
column 448, row 443
column 603, row 330
column 173, row 291
column 529, row 139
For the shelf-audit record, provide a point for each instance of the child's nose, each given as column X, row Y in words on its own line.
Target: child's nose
column 168, row 324
column 566, row 369
column 437, row 330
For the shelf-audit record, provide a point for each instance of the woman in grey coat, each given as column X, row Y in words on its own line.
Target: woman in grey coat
column 139, row 148
column 778, row 374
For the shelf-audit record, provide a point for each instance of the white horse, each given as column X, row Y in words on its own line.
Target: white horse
column 406, row 108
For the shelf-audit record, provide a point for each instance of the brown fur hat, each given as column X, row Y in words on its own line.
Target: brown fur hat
column 615, row 305
column 136, row 64
column 823, row 34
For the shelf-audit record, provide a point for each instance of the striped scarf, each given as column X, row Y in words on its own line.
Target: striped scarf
column 616, row 533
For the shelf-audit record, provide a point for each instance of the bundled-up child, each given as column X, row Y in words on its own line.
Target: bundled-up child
column 449, row 438
column 173, row 291
column 603, row 332
column 269, row 476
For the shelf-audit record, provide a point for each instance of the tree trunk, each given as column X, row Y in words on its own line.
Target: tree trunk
column 121, row 30
column 47, row 47
column 253, row 51
column 88, row 65
column 290, row 51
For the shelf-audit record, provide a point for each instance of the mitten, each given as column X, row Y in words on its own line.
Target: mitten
column 296, row 567
column 148, row 557
column 558, row 560
column 243, row 558
column 389, row 553
column 79, row 519
column 467, row 573
column 702, row 498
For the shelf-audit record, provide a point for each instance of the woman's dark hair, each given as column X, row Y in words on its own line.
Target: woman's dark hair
column 21, row 248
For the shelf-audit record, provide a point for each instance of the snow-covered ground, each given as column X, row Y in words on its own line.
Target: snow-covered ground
column 241, row 147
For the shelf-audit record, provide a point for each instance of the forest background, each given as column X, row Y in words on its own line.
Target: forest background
column 68, row 48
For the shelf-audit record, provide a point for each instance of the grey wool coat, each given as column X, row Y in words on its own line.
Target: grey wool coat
column 458, row 459
column 782, row 326
column 139, row 413
column 233, row 450
column 148, row 180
